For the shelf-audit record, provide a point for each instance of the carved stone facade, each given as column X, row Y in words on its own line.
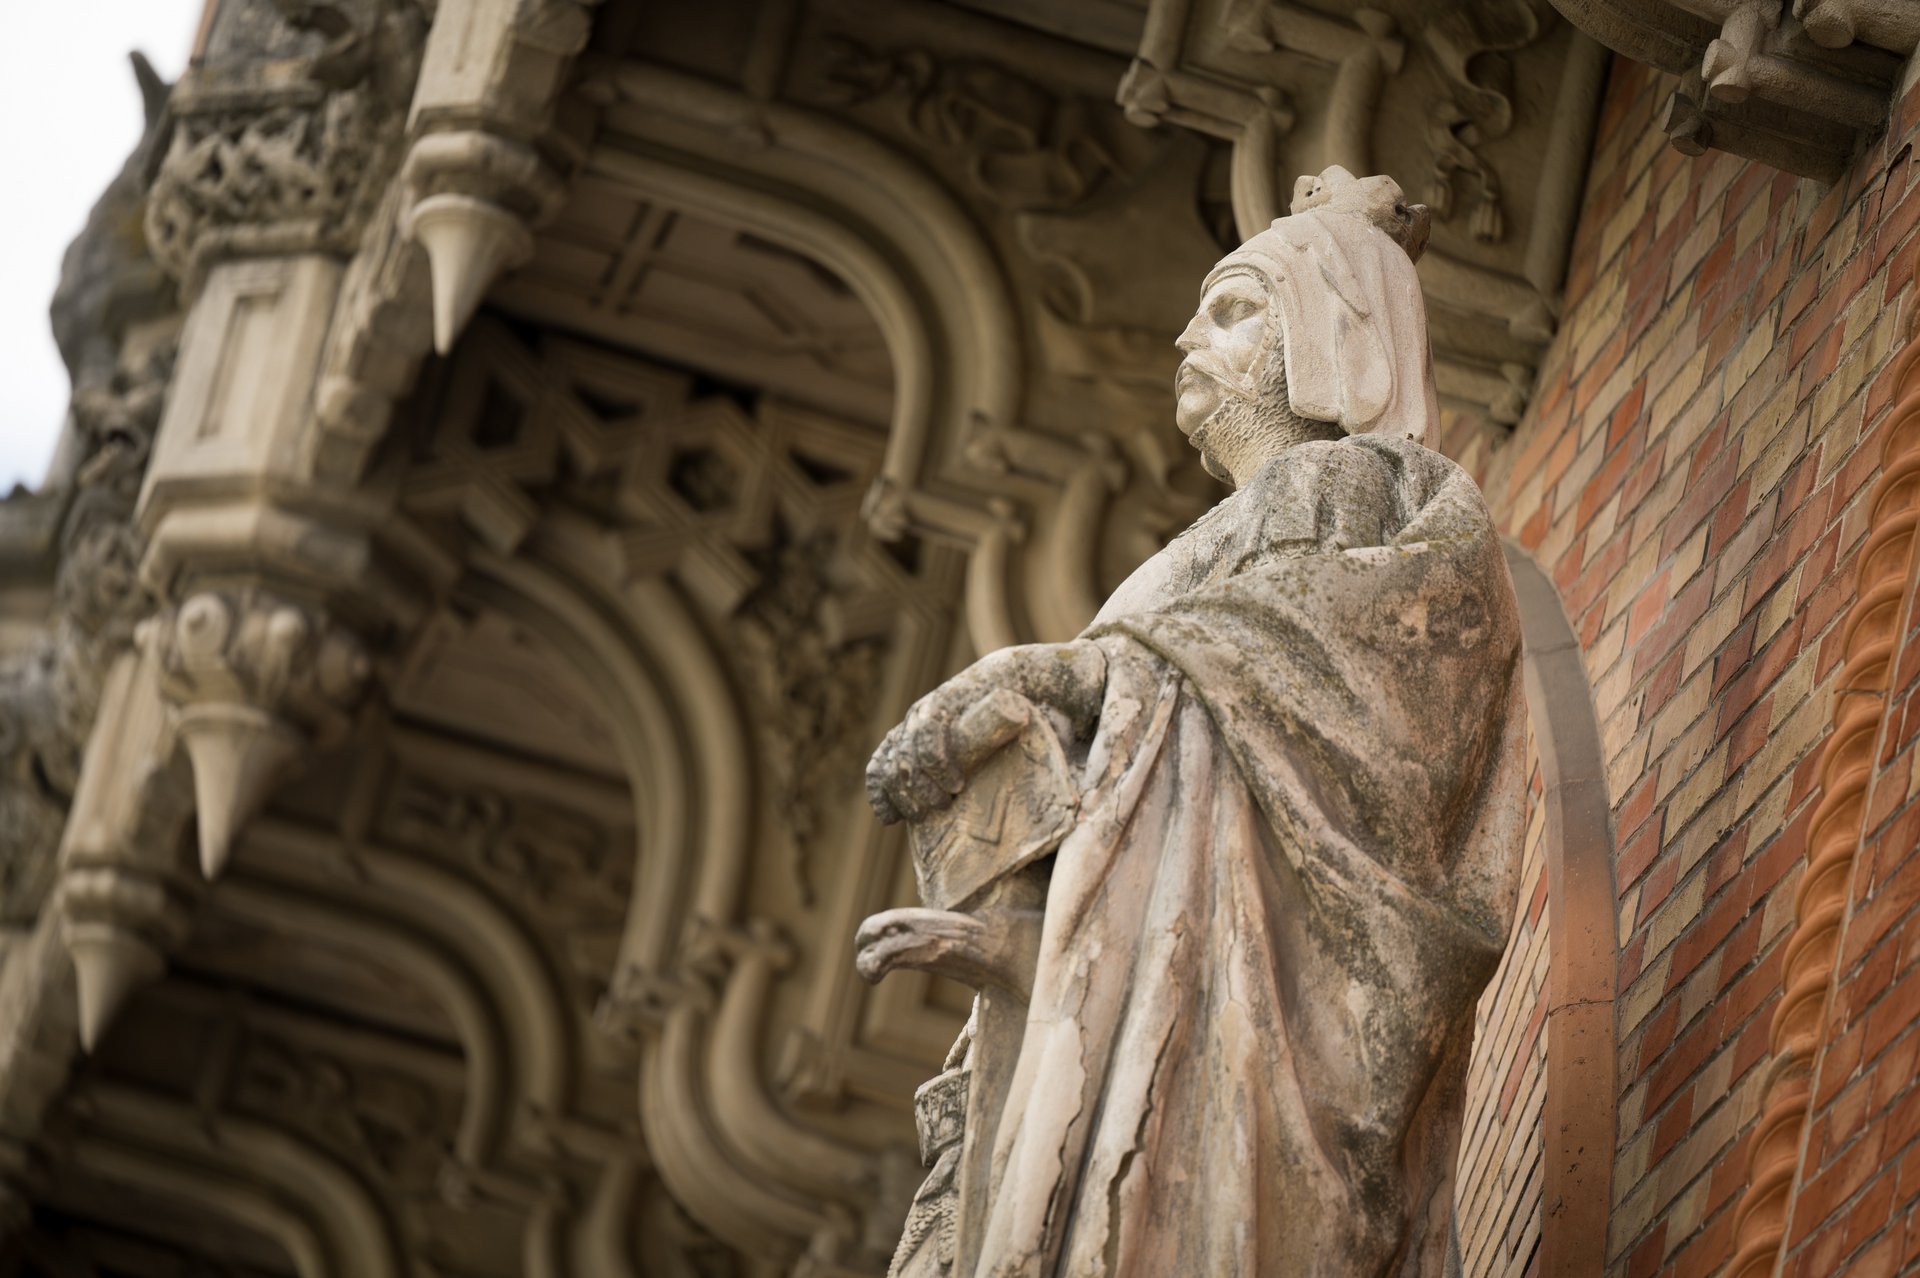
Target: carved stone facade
column 523, row 456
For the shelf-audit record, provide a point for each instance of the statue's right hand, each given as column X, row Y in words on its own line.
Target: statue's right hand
column 948, row 733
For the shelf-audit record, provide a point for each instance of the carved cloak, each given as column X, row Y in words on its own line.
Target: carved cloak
column 1293, row 874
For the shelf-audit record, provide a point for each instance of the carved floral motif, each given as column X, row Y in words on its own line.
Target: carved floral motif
column 814, row 683
column 301, row 171
column 1026, row 146
column 379, row 1119
column 1470, row 44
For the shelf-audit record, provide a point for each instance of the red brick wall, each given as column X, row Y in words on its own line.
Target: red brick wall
column 1693, row 474
column 1497, row 1190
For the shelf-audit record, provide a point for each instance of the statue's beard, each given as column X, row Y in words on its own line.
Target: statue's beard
column 1241, row 435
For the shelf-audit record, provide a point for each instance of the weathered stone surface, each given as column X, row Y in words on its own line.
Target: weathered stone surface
column 1280, row 870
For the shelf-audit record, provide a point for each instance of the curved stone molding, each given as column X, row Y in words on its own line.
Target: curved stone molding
column 1582, row 975
column 694, row 984
column 1793, row 86
column 1870, row 638
column 325, row 1218
column 901, row 243
column 858, row 207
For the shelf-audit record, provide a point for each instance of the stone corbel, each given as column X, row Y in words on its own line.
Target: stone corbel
column 1759, row 130
column 1890, row 24
column 255, row 681
column 475, row 185
column 1793, row 91
column 119, row 924
column 1743, row 62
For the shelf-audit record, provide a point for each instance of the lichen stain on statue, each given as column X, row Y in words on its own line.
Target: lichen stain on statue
column 1230, row 870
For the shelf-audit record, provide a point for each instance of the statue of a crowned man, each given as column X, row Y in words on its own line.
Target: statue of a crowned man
column 1231, row 869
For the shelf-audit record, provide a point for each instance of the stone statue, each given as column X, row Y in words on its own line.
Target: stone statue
column 1230, row 870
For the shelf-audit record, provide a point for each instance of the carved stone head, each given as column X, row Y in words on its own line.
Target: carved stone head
column 1331, row 291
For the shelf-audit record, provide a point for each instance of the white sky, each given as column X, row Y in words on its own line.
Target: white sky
column 69, row 114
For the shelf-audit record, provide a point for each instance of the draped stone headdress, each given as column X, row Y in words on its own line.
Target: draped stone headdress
column 1339, row 271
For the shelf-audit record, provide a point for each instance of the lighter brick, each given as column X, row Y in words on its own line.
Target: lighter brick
column 1629, row 911
column 1687, row 559
column 1675, row 395
column 1680, row 761
column 1686, row 705
column 1606, row 650
column 1778, row 607
column 1643, row 995
column 1705, row 832
column 1626, row 218
column 1754, row 351
column 1674, row 915
column 1626, row 769
column 1604, row 521
column 1712, row 630
column 1748, row 228
column 1701, row 784
column 1700, row 989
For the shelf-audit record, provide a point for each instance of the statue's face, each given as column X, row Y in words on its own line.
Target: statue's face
column 1223, row 383
column 1226, row 342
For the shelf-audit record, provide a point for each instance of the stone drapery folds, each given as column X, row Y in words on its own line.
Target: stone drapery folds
column 1231, row 869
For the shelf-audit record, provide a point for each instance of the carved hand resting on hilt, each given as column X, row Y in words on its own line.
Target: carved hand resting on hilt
column 951, row 731
column 1006, row 715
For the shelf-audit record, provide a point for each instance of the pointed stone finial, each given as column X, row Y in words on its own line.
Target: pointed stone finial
column 469, row 243
column 253, row 679
column 238, row 754
column 118, row 924
column 109, row 964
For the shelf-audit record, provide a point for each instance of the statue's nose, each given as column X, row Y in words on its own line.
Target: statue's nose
column 1193, row 337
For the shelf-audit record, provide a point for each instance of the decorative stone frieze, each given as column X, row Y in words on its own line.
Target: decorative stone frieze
column 282, row 139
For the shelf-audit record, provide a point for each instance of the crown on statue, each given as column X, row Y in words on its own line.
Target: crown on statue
column 1379, row 200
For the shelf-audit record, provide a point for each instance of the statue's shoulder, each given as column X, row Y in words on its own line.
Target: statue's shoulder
column 1360, row 490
